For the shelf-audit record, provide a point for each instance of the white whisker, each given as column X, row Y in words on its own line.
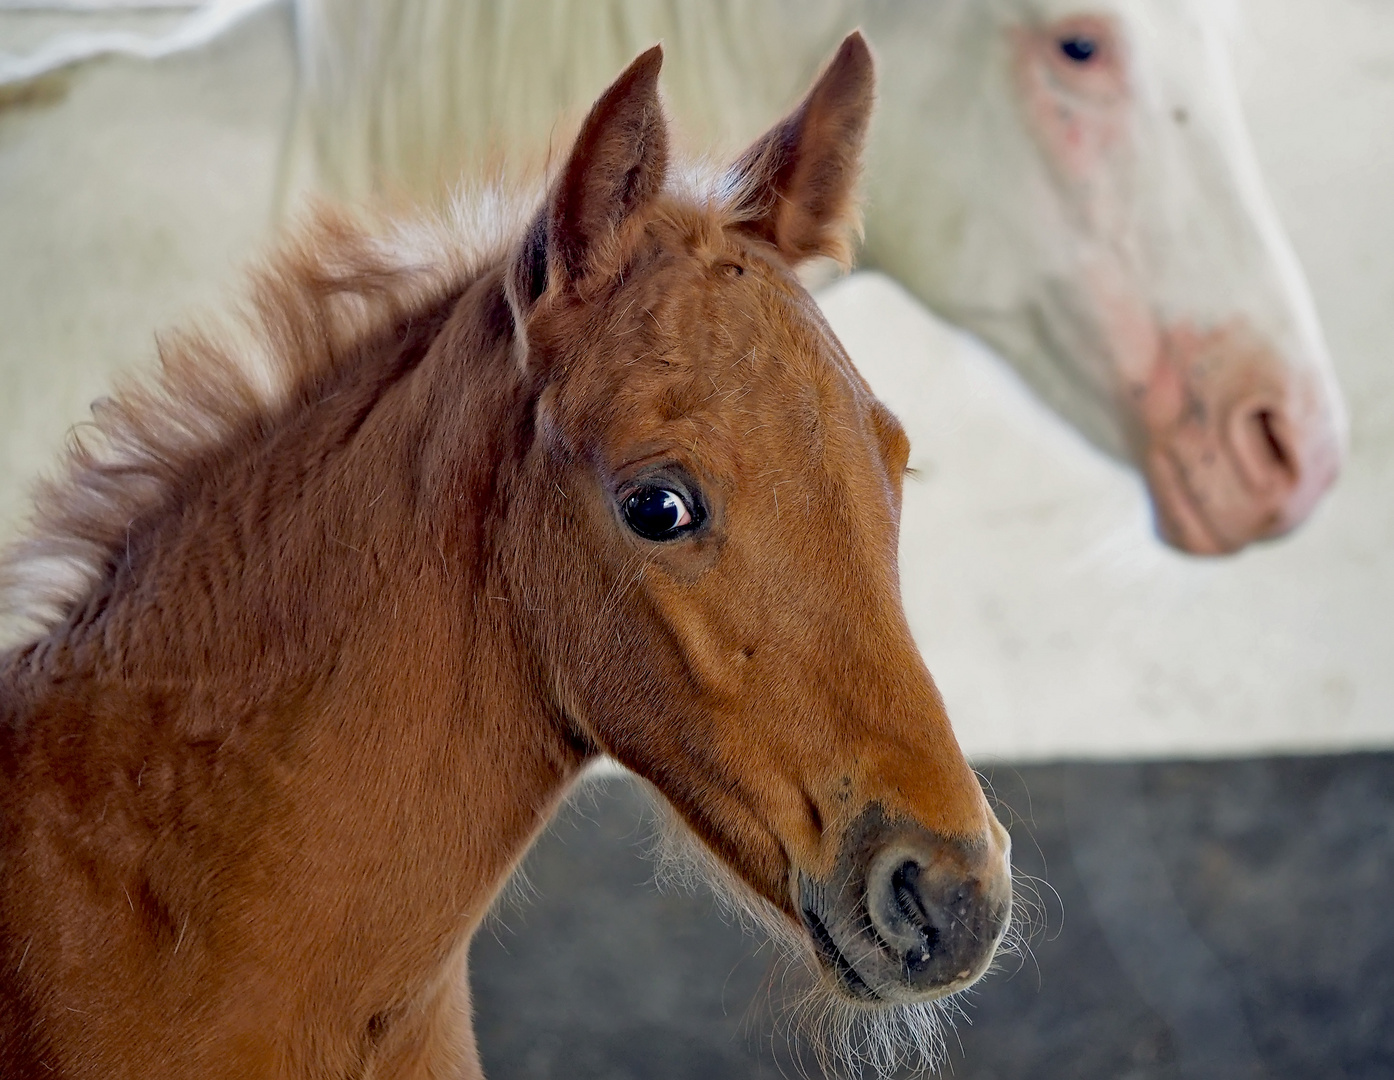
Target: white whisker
column 825, row 1032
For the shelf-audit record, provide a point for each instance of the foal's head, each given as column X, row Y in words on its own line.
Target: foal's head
column 703, row 541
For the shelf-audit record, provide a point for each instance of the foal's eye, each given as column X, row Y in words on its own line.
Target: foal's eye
column 659, row 513
column 1079, row 49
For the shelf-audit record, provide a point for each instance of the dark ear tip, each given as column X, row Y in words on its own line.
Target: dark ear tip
column 639, row 78
column 854, row 45
column 851, row 74
column 854, row 51
column 646, row 65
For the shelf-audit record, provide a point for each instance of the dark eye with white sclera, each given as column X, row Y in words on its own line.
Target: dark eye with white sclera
column 1079, row 49
column 656, row 512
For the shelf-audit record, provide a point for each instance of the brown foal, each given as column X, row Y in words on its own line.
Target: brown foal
column 359, row 592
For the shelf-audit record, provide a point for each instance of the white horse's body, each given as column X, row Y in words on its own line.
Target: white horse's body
column 1099, row 220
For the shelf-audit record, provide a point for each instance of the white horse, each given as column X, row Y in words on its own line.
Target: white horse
column 1072, row 182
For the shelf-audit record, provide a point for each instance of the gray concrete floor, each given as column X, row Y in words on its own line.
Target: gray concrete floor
column 1224, row 919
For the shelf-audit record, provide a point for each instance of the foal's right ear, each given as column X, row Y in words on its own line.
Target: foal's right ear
column 616, row 166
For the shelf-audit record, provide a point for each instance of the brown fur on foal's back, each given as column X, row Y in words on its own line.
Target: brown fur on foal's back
column 316, row 315
column 229, row 521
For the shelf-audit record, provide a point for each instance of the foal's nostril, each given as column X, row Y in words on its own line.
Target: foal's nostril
column 910, row 905
column 902, row 916
column 906, row 899
column 929, row 915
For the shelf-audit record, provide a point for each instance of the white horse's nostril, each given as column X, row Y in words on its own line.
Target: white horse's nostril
column 1263, row 446
column 1280, row 453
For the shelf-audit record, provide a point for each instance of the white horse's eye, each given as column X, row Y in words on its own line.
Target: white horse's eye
column 1079, row 49
column 658, row 513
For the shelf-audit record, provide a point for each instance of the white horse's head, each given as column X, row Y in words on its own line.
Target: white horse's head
column 1070, row 179
column 1086, row 199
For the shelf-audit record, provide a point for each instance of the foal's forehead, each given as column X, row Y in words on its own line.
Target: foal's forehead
column 790, row 341
column 744, row 354
column 711, row 347
column 747, row 296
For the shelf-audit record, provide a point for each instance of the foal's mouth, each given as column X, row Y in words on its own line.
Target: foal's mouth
column 833, row 958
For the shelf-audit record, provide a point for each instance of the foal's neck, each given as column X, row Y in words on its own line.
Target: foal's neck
column 302, row 682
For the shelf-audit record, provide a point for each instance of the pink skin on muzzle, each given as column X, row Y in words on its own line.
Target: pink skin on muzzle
column 1235, row 447
column 1236, row 444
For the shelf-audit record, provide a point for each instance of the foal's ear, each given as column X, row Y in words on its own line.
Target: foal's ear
column 797, row 183
column 616, row 165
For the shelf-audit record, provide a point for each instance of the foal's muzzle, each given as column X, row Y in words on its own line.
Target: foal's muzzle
column 907, row 915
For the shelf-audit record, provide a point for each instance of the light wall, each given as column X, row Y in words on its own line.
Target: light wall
column 1055, row 624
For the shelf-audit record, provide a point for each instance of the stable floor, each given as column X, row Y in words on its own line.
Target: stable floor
column 1225, row 920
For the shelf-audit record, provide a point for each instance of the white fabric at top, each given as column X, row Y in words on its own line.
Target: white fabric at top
column 205, row 22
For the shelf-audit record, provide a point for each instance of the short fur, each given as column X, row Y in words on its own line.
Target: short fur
column 349, row 601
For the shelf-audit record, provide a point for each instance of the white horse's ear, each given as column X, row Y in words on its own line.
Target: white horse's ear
column 615, row 167
column 796, row 186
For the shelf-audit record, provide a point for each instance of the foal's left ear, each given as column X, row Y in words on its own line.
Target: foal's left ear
column 797, row 183
column 615, row 167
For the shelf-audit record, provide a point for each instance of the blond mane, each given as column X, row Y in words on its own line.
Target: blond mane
column 338, row 277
